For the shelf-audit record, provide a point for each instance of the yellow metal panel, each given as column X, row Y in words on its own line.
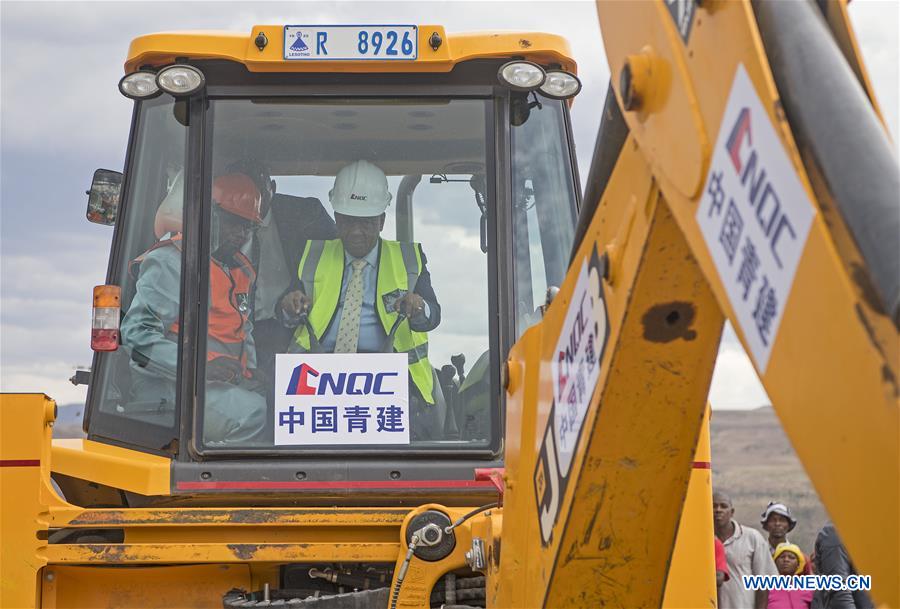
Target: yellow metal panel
column 181, row 552
column 833, row 370
column 691, row 582
column 422, row 575
column 185, row 587
column 209, row 535
column 113, row 466
column 619, row 511
column 163, row 48
column 26, row 422
column 247, row 517
column 636, row 457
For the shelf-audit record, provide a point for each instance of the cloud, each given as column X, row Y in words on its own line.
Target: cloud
column 875, row 23
column 48, row 376
column 735, row 384
column 45, row 309
column 63, row 116
column 75, row 106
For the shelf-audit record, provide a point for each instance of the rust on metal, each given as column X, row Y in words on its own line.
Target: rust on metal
column 194, row 553
column 887, row 375
column 669, row 321
column 305, row 517
column 244, row 551
column 111, row 553
column 864, row 282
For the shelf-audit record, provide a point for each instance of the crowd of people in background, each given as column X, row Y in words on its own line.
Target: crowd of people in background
column 741, row 550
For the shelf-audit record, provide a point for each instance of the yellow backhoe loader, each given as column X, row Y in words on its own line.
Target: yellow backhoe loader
column 521, row 419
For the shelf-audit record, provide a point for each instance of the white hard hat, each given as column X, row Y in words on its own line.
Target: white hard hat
column 361, row 190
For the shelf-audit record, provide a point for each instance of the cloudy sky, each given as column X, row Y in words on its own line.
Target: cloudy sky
column 62, row 117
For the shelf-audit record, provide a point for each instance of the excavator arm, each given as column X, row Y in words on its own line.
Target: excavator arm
column 742, row 171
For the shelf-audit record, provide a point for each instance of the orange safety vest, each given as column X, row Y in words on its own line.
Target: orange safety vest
column 229, row 305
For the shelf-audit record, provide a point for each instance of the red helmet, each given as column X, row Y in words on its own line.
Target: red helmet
column 237, row 194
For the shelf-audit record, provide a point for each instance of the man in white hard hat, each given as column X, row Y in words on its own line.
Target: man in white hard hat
column 359, row 289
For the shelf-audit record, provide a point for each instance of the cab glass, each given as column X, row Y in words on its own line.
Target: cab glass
column 348, row 276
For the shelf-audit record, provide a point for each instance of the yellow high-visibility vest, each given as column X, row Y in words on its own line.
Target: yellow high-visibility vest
column 399, row 265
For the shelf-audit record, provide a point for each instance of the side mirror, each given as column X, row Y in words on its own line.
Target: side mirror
column 103, row 197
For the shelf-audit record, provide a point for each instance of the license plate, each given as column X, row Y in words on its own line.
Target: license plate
column 351, row 42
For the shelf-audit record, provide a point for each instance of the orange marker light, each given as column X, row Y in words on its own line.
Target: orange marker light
column 105, row 318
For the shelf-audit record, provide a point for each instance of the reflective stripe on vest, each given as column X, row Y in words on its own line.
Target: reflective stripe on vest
column 399, row 265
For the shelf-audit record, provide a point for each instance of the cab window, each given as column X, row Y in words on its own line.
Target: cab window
column 543, row 202
column 348, row 306
column 135, row 391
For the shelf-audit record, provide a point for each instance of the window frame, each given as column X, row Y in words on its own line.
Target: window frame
column 397, row 91
column 109, row 427
column 228, row 80
column 571, row 164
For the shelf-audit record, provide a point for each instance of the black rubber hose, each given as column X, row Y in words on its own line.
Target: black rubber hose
column 840, row 139
column 468, row 515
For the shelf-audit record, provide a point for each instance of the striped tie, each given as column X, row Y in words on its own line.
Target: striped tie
column 348, row 330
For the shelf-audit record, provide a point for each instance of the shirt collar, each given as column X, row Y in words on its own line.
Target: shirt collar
column 738, row 531
column 267, row 219
column 371, row 258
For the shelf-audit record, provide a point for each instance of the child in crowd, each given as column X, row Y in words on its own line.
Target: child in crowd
column 789, row 560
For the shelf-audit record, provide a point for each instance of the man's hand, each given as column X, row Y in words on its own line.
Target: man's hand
column 295, row 303
column 223, row 369
column 411, row 304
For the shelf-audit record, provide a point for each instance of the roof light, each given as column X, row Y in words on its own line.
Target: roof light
column 521, row 75
column 560, row 85
column 139, row 85
column 105, row 318
column 180, row 81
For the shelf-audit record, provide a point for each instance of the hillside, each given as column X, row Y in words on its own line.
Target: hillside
column 754, row 462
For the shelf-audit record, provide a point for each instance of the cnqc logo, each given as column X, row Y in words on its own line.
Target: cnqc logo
column 305, row 380
column 757, row 182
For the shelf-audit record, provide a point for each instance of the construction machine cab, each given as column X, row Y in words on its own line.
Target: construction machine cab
column 472, row 133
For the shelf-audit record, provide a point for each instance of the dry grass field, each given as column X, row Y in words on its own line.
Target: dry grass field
column 752, row 460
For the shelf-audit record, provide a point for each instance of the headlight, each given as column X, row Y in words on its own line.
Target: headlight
column 521, row 75
column 180, row 81
column 139, row 85
column 560, row 85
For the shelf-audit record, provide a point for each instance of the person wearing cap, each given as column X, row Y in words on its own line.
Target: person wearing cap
column 746, row 552
column 361, row 293
column 234, row 412
column 777, row 521
column 789, row 560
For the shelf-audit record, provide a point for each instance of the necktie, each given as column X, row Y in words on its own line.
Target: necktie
column 348, row 330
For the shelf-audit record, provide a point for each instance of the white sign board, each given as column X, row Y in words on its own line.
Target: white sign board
column 328, row 399
column 576, row 365
column 755, row 216
column 351, row 42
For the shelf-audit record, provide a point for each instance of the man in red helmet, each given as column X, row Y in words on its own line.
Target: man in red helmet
column 235, row 407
